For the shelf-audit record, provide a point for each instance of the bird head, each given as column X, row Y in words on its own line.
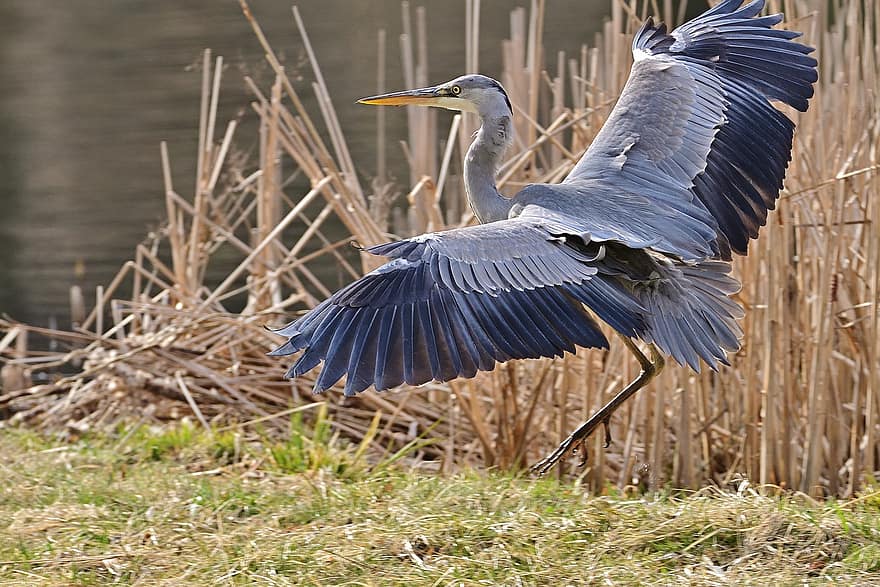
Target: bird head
column 468, row 93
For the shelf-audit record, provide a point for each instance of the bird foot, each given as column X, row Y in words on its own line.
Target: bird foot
column 544, row 465
column 573, row 444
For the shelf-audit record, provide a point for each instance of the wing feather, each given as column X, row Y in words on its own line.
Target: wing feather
column 449, row 304
column 473, row 356
column 694, row 129
column 366, row 343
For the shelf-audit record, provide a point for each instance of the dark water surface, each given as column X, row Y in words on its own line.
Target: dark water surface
column 88, row 89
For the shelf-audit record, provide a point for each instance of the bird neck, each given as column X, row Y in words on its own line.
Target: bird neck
column 480, row 165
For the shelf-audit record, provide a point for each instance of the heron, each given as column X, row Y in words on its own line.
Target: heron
column 640, row 235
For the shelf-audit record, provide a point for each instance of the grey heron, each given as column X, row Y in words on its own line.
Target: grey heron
column 640, row 235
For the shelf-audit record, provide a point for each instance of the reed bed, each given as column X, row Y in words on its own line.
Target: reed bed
column 799, row 408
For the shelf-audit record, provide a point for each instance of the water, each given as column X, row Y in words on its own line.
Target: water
column 89, row 88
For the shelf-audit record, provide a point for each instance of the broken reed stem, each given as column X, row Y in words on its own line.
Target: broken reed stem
column 336, row 135
column 174, row 232
column 381, row 165
column 192, row 403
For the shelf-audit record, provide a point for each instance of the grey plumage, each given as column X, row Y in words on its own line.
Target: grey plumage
column 641, row 232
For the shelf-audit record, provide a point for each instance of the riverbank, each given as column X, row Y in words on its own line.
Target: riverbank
column 173, row 505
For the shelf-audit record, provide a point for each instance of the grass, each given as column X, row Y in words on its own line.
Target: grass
column 167, row 506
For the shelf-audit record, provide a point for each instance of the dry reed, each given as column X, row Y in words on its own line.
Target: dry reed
column 798, row 408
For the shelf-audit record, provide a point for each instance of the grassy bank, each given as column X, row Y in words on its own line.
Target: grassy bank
column 174, row 506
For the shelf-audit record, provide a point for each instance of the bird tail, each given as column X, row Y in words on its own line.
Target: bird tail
column 690, row 315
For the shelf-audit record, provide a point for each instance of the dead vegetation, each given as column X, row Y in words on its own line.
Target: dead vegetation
column 798, row 408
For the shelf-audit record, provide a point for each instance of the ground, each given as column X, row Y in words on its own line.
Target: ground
column 179, row 505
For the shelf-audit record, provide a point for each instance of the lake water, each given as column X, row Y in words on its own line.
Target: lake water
column 88, row 89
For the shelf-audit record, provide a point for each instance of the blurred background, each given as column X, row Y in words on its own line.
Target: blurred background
column 89, row 88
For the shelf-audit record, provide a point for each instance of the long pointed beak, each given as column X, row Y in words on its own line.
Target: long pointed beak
column 421, row 97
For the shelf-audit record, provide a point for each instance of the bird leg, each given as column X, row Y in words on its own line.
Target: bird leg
column 650, row 369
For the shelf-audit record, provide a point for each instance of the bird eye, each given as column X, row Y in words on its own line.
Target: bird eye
column 456, row 90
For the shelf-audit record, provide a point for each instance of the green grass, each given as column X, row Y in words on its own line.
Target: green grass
column 180, row 506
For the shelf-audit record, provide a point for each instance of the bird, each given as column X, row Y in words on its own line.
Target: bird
column 640, row 235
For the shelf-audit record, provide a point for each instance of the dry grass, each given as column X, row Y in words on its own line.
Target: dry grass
column 180, row 506
column 799, row 407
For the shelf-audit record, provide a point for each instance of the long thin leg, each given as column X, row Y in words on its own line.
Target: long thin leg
column 650, row 369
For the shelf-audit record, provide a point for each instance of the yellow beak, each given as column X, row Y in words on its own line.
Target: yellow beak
column 421, row 97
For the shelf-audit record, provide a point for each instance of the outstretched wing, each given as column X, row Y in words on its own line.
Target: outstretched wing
column 451, row 303
column 694, row 128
